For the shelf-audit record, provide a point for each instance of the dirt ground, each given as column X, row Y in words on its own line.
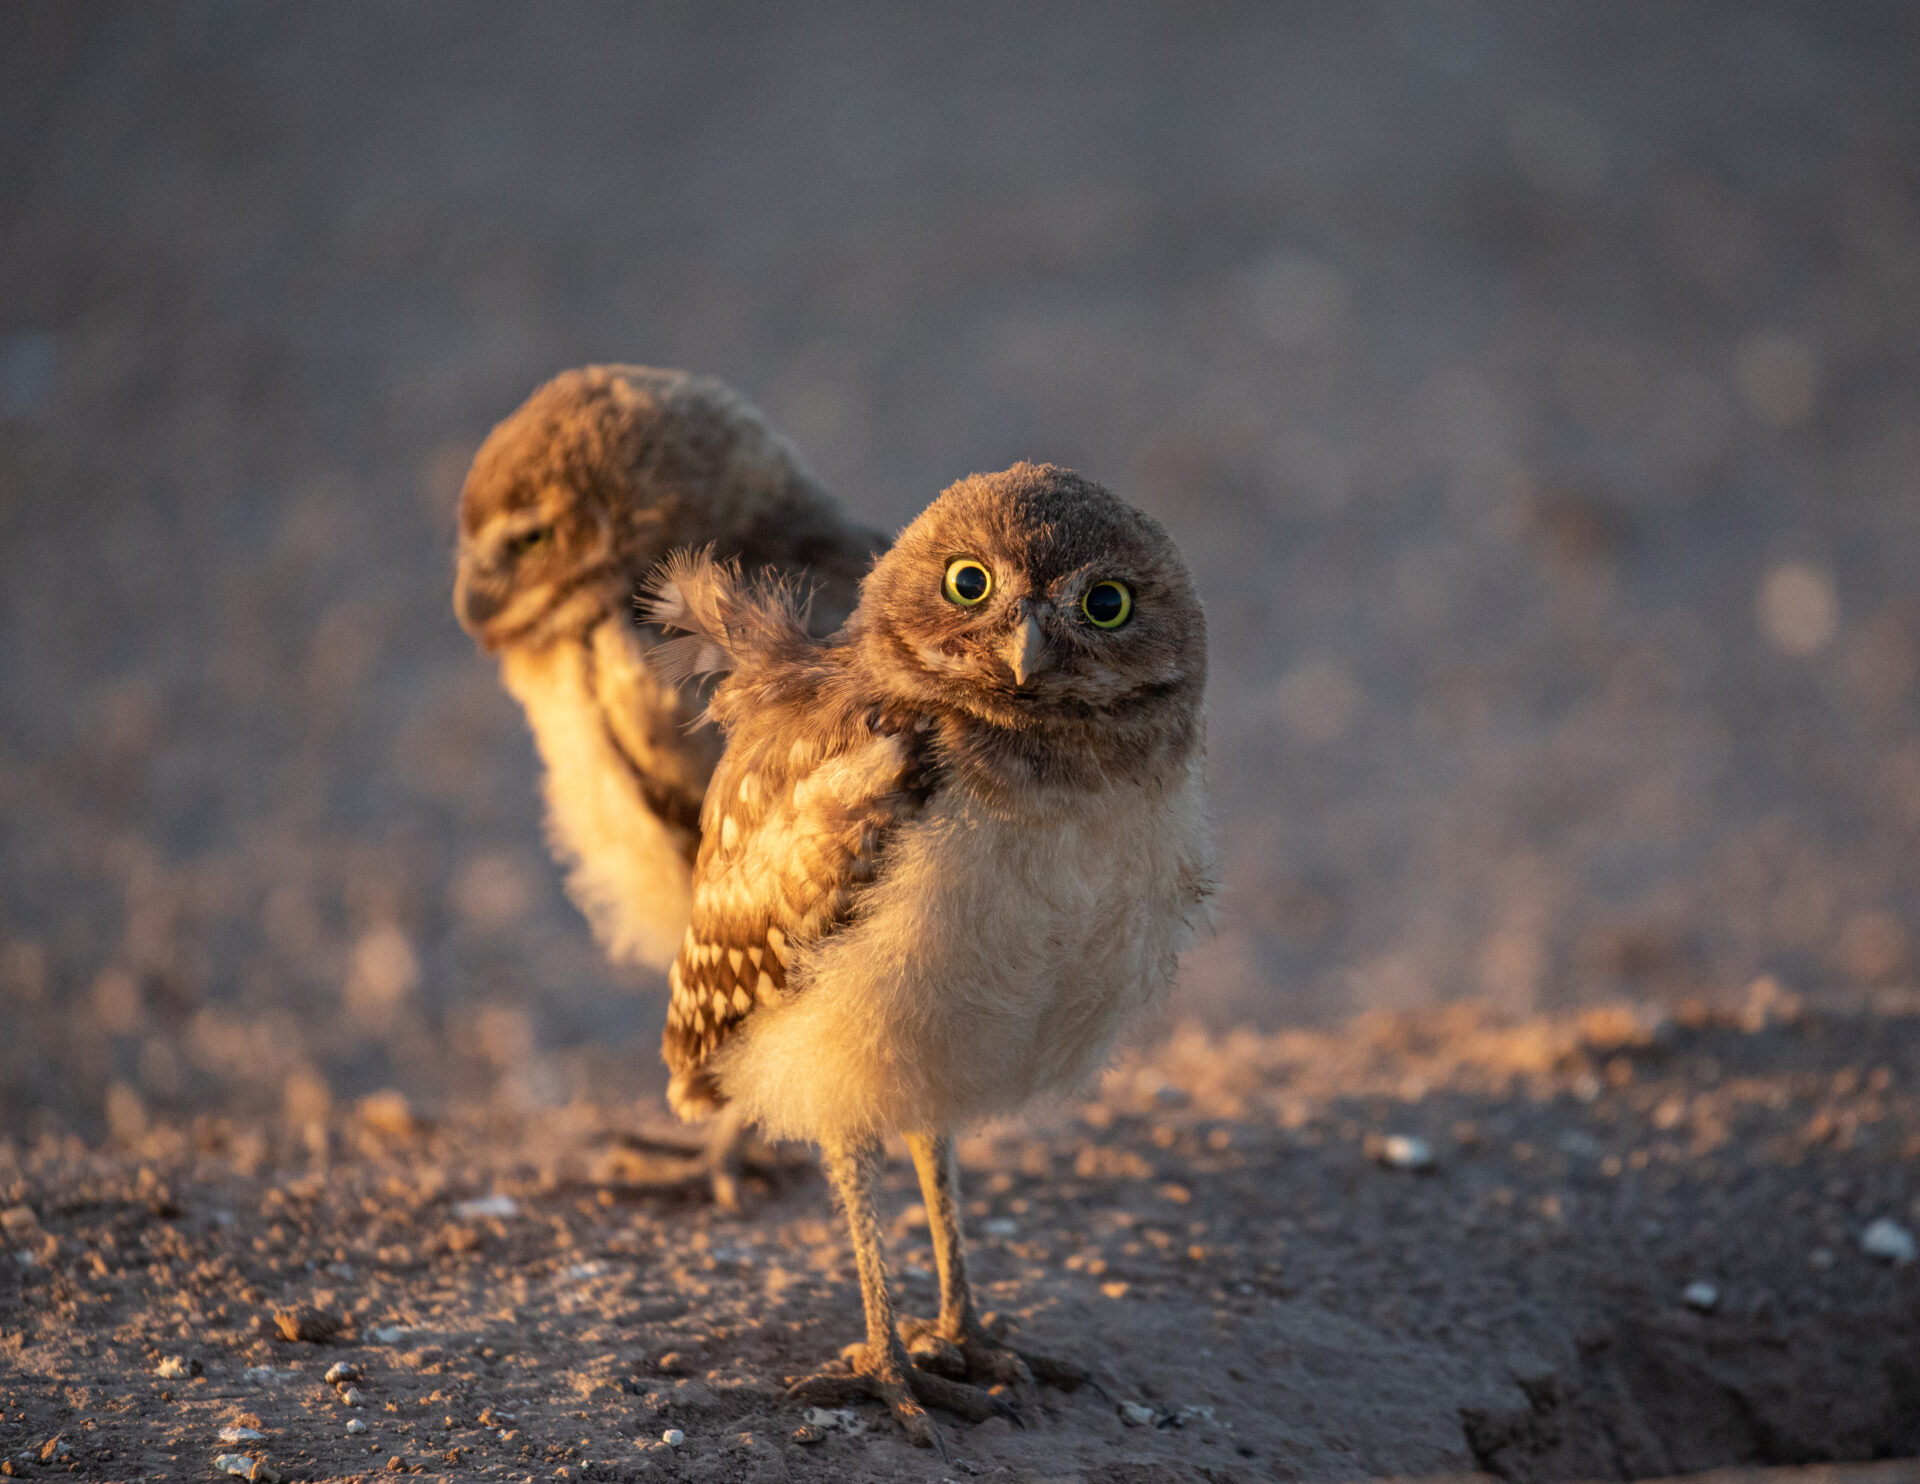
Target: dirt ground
column 1533, row 390
column 1221, row 1234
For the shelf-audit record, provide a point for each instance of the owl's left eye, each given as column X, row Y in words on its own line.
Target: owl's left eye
column 968, row 582
column 1107, row 605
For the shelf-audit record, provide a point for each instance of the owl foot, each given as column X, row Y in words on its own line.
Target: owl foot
column 905, row 1390
column 976, row 1355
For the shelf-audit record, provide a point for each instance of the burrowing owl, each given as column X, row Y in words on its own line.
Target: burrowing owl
column 570, row 503
column 948, row 852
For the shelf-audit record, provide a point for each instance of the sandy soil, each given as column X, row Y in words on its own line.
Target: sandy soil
column 1219, row 1234
column 1533, row 390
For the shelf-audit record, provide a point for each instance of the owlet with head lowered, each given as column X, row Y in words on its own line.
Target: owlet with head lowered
column 947, row 854
column 571, row 502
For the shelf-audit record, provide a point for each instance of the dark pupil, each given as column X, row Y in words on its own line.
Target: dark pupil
column 970, row 583
column 1104, row 603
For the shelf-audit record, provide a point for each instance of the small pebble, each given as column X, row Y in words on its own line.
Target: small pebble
column 673, row 1437
column 396, row 1464
column 355, row 1427
column 173, row 1368
column 1400, row 1152
column 353, row 1396
column 806, row 1433
column 233, row 1433
column 307, row 1324
column 1887, row 1238
column 1000, row 1226
column 256, row 1469
column 499, row 1207
column 1135, row 1415
column 342, row 1370
column 1700, row 1295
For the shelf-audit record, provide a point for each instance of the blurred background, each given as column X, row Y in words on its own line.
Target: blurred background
column 1534, row 388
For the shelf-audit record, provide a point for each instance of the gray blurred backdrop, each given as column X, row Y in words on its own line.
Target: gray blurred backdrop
column 1535, row 389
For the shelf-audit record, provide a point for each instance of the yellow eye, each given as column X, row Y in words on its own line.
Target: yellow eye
column 968, row 583
column 1107, row 605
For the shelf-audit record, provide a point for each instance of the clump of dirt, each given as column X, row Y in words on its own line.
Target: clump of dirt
column 1634, row 1248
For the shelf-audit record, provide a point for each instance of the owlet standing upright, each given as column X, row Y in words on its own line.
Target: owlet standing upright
column 946, row 855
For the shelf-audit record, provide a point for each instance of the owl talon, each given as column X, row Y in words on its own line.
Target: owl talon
column 904, row 1389
column 1048, row 1370
column 886, row 1380
column 931, row 1353
column 829, row 1389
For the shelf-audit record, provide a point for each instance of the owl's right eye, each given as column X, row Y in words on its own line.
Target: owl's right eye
column 968, row 582
column 526, row 541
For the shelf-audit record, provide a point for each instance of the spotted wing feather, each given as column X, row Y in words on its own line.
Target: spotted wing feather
column 791, row 832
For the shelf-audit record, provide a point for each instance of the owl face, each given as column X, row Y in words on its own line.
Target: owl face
column 1034, row 597
column 550, row 528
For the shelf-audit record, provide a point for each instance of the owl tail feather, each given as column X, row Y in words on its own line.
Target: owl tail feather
column 728, row 620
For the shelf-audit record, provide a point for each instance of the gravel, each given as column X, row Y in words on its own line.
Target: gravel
column 1886, row 1238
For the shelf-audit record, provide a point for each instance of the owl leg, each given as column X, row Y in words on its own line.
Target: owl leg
column 723, row 1159
column 957, row 1342
column 879, row 1368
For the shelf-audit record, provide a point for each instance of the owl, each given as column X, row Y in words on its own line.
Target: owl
column 947, row 854
column 569, row 504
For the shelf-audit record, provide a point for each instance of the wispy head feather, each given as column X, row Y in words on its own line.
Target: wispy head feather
column 728, row 620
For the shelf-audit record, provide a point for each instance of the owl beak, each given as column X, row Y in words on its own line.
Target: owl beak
column 476, row 600
column 1026, row 650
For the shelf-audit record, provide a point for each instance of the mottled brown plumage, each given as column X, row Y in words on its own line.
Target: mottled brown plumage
column 570, row 502
column 947, row 853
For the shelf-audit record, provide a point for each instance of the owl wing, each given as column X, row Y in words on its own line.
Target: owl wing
column 791, row 832
column 649, row 722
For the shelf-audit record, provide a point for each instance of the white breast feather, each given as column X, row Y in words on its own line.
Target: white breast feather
column 625, row 871
column 995, row 960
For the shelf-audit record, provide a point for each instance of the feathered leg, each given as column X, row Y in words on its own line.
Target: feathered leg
column 879, row 1366
column 723, row 1157
column 957, row 1343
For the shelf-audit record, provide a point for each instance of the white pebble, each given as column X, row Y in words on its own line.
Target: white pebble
column 353, row 1396
column 247, row 1468
column 673, row 1437
column 1135, row 1415
column 173, row 1368
column 233, row 1433
column 1887, row 1238
column 1405, row 1152
column 342, row 1370
column 1700, row 1295
column 499, row 1206
column 355, row 1427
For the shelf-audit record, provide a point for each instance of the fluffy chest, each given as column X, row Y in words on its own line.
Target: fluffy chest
column 983, row 913
column 995, row 959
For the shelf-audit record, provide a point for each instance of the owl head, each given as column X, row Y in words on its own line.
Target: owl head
column 595, row 478
column 1034, row 601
